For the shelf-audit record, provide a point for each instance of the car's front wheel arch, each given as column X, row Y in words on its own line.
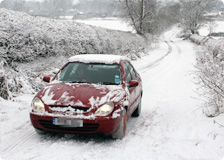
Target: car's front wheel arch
column 120, row 133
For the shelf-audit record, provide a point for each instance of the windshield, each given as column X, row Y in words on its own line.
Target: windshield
column 75, row 72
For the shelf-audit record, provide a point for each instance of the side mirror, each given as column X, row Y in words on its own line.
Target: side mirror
column 133, row 83
column 47, row 79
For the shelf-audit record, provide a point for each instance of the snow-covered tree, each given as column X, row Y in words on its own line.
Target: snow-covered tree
column 150, row 16
column 141, row 14
column 211, row 26
column 192, row 13
column 165, row 18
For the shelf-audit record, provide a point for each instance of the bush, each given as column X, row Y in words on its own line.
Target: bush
column 217, row 34
column 23, row 38
column 210, row 65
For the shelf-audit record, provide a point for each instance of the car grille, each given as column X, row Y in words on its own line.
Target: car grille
column 84, row 109
column 87, row 127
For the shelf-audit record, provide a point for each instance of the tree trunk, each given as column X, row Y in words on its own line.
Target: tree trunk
column 4, row 92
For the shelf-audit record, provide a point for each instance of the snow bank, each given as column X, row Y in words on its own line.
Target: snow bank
column 210, row 65
column 31, row 46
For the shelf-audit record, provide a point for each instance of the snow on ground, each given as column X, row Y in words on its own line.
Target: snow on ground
column 109, row 23
column 181, row 130
column 171, row 126
column 217, row 27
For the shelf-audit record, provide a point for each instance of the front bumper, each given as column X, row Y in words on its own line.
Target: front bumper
column 105, row 125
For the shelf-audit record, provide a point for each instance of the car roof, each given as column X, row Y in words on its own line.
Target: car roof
column 98, row 58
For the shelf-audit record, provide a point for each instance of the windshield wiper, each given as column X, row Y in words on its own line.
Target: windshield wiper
column 109, row 83
column 77, row 82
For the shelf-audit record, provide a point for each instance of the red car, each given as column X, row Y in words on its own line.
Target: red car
column 89, row 94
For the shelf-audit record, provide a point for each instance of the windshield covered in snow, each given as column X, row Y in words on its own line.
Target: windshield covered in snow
column 76, row 72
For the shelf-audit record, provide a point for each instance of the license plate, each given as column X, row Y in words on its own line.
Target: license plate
column 67, row 122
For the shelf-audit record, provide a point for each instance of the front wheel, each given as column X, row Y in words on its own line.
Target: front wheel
column 137, row 111
column 120, row 133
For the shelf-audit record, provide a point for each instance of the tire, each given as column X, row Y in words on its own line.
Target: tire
column 120, row 133
column 137, row 111
column 38, row 131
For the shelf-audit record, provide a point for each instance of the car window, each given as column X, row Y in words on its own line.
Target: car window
column 75, row 72
column 127, row 72
column 67, row 71
column 132, row 71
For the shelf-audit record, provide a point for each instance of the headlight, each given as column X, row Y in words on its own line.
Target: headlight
column 105, row 109
column 38, row 105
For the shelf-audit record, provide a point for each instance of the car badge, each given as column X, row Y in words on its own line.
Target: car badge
column 69, row 108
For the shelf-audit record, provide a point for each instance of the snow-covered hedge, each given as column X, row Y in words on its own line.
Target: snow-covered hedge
column 217, row 34
column 200, row 40
column 24, row 38
column 210, row 65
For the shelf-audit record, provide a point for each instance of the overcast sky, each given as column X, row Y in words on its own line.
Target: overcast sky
column 75, row 1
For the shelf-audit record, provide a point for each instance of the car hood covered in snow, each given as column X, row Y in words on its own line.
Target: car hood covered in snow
column 83, row 95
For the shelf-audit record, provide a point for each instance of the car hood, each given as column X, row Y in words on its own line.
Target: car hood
column 82, row 95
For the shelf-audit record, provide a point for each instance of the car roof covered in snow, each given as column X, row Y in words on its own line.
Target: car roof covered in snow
column 98, row 58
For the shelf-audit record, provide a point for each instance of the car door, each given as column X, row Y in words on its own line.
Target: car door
column 130, row 74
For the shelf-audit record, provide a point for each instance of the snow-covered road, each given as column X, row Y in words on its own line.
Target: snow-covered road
column 171, row 126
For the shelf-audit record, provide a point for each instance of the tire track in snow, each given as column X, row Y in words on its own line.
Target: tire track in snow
column 178, row 48
column 171, row 59
column 167, row 73
column 20, row 140
column 168, row 69
column 146, row 120
column 156, row 62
